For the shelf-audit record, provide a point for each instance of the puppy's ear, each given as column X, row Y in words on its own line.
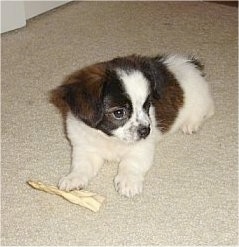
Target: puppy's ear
column 82, row 93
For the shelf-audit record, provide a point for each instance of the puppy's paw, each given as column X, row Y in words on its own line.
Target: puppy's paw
column 190, row 128
column 128, row 185
column 73, row 181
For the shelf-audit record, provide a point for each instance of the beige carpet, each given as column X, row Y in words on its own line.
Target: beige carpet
column 190, row 194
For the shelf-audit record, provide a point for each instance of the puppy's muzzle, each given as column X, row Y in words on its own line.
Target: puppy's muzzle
column 143, row 131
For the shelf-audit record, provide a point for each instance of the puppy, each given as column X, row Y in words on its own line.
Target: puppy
column 117, row 111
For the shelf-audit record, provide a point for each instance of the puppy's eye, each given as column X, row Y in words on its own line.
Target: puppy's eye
column 119, row 113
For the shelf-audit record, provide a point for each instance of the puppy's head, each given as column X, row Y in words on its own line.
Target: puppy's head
column 111, row 99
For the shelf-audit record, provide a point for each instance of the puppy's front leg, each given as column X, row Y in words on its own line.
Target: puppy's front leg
column 85, row 166
column 132, row 169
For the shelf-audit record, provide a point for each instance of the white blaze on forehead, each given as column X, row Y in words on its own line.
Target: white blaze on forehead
column 136, row 86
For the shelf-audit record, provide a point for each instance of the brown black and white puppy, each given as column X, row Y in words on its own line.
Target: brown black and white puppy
column 117, row 110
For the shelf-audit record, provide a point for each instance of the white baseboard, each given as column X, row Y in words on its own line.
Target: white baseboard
column 34, row 8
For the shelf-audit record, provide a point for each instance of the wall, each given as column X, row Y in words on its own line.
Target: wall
column 14, row 14
column 34, row 8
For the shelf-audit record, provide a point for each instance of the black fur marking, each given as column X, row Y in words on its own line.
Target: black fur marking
column 114, row 96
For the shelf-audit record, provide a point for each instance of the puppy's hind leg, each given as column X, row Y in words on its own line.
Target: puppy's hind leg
column 190, row 126
column 192, row 123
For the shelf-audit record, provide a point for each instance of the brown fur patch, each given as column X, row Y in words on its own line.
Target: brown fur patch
column 89, row 75
column 167, row 107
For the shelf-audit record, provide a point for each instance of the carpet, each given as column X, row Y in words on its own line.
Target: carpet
column 190, row 194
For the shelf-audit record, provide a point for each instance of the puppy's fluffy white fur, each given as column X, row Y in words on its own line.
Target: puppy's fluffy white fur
column 91, row 147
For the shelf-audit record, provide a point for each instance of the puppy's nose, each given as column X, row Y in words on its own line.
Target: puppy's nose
column 143, row 131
